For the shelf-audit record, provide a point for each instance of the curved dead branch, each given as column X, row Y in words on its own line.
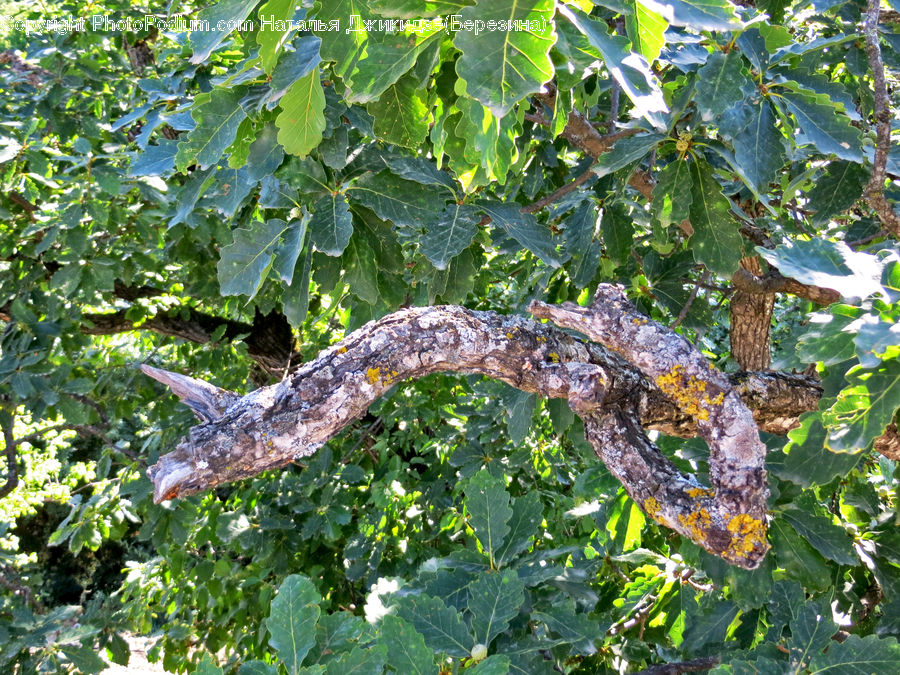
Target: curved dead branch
column 730, row 519
column 273, row 426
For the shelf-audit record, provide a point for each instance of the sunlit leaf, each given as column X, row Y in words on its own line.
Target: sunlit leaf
column 503, row 65
column 292, row 620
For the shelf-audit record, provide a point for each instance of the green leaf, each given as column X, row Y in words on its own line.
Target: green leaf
column 86, row 659
column 287, row 253
column 758, row 148
column 155, row 160
column 721, row 82
column 292, row 620
column 824, row 536
column 830, row 337
column 524, row 228
column 243, row 264
column 302, row 118
column 800, row 561
column 495, row 664
column 265, row 154
column 293, row 66
column 672, row 193
column 268, row 38
column 360, row 661
column 527, row 513
column 217, row 123
column 490, row 141
column 809, row 462
column 645, row 29
column 422, row 171
column 401, row 115
column 331, row 225
column 876, row 339
column 257, row 668
column 625, row 152
column 710, row 628
column 441, row 626
column 618, row 233
column 797, row 48
column 716, row 241
column 822, row 124
column 865, row 408
column 519, row 407
column 576, row 628
column 837, row 190
column 697, row 14
column 811, row 631
column 501, row 66
column 830, row 264
column 487, row 504
column 406, row 647
column 345, row 45
column 360, row 272
column 405, row 203
column 459, row 278
column 869, row 654
column 450, row 234
column 223, row 18
column 494, row 599
column 295, row 298
column 630, row 70
column 387, row 57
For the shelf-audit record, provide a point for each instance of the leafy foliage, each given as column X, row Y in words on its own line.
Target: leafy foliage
column 229, row 202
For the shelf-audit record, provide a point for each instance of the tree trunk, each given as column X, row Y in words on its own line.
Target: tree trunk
column 751, row 320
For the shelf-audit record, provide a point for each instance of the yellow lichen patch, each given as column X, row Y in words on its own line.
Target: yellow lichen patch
column 697, row 522
column 749, row 532
column 509, row 336
column 541, row 339
column 689, row 394
column 651, row 506
column 638, row 321
column 697, row 493
column 554, row 357
column 372, row 375
column 342, row 350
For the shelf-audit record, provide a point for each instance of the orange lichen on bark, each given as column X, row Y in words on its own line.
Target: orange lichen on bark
column 749, row 533
column 372, row 375
column 697, row 493
column 689, row 394
column 698, row 522
column 651, row 506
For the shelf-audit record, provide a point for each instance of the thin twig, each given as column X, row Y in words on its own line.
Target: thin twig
column 874, row 191
column 559, row 192
column 690, row 301
column 7, row 574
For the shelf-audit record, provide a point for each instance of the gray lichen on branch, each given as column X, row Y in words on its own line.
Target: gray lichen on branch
column 275, row 425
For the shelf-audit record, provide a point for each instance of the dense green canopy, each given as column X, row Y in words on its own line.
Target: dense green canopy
column 227, row 189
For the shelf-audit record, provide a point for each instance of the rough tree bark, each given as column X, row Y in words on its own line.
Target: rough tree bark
column 751, row 320
column 668, row 385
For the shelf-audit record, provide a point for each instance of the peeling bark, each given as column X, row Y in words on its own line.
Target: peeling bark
column 275, row 425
